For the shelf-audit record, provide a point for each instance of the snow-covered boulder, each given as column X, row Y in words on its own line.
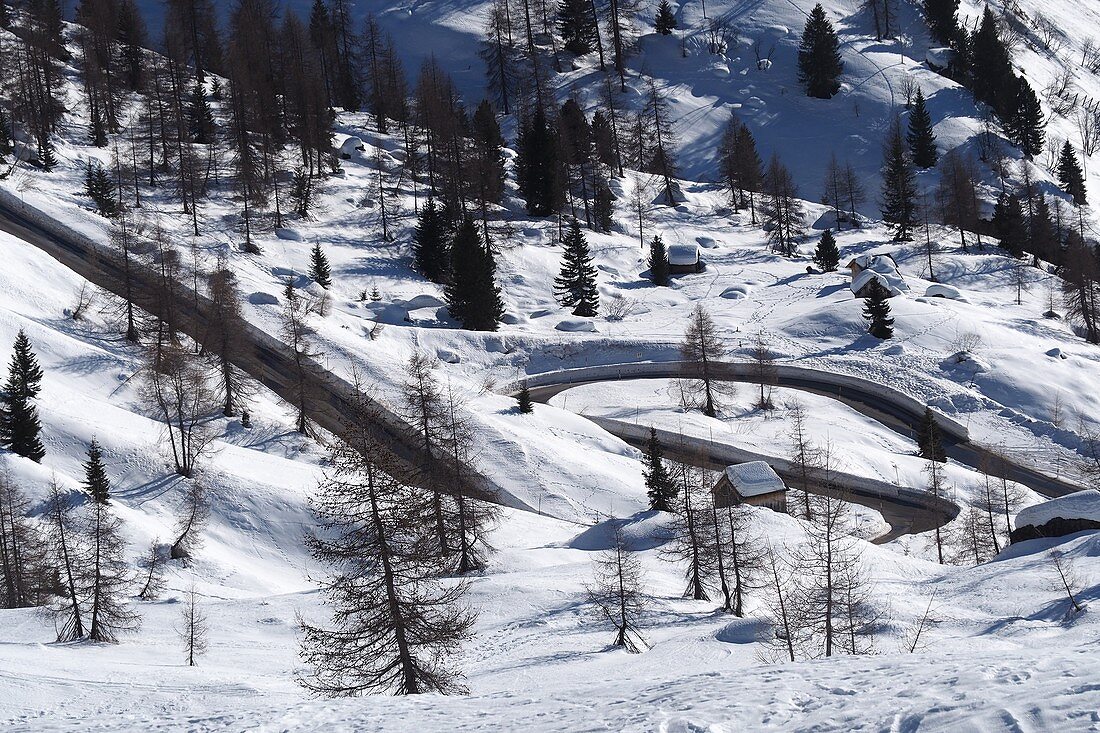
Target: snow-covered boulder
column 1057, row 353
column 943, row 291
column 350, row 146
column 423, row 301
column 576, row 325
column 965, row 363
column 260, row 298
column 1077, row 512
column 735, row 292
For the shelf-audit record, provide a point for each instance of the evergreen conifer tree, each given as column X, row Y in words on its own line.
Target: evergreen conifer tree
column 1042, row 238
column 827, row 255
column 876, row 310
column 660, row 487
column 819, row 64
column 942, row 20
column 1025, row 124
column 96, row 481
column 200, row 118
column 576, row 22
column 523, row 400
column 658, row 262
column 100, row 188
column 1009, row 224
column 921, row 138
column 1071, row 176
column 319, row 269
column 603, row 208
column 19, row 424
column 46, row 157
column 991, row 67
column 430, row 246
column 899, row 187
column 472, row 293
column 537, row 166
column 665, row 22
column 576, row 284
column 929, row 441
column 5, row 133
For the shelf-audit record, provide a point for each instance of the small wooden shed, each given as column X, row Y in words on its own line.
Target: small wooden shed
column 684, row 259
column 753, row 483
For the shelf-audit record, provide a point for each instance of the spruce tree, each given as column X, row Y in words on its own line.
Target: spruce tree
column 921, row 138
column 942, row 20
column 1025, row 124
column 658, row 262
column 827, row 255
column 430, row 246
column 19, row 424
column 899, row 187
column 659, row 485
column 100, row 188
column 200, row 118
column 876, row 310
column 929, row 442
column 576, row 22
column 819, row 64
column 5, row 133
column 472, row 293
column 1071, row 176
column 319, row 270
column 603, row 208
column 991, row 67
column 576, row 283
column 537, row 166
column 665, row 22
column 523, row 400
column 96, row 481
column 1009, row 224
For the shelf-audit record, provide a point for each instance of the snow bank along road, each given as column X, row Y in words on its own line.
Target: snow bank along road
column 333, row 402
column 906, row 510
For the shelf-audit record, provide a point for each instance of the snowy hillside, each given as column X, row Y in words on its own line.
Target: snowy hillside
column 984, row 639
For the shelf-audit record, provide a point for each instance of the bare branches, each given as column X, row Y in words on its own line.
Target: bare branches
column 194, row 628
column 1068, row 581
column 616, row 592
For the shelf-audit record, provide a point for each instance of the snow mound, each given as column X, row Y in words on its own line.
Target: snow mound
column 642, row 531
column 576, row 325
column 964, row 361
column 736, row 292
column 263, row 299
column 350, row 146
column 289, row 234
column 1081, row 505
column 944, row 291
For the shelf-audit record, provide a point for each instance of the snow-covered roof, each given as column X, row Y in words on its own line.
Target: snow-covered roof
column 939, row 290
column 754, row 478
column 683, row 254
column 883, row 268
column 940, row 58
column 1080, row 505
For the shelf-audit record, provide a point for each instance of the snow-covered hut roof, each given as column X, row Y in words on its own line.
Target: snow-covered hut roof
column 881, row 267
column 754, row 478
column 940, row 58
column 1079, row 505
column 683, row 254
